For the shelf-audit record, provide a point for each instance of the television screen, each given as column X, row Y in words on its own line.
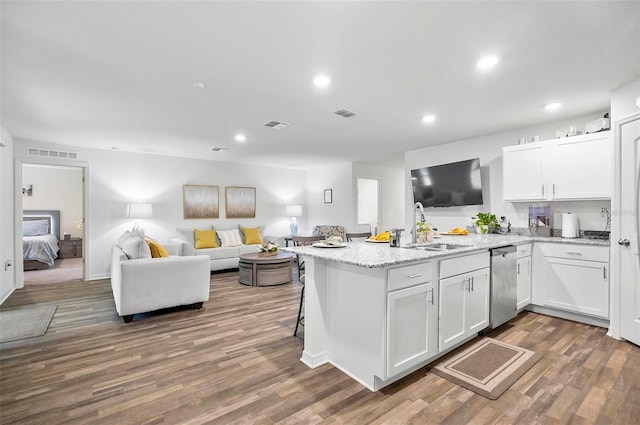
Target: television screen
column 448, row 185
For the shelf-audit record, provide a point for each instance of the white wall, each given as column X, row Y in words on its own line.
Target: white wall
column 392, row 192
column 7, row 275
column 55, row 188
column 623, row 100
column 342, row 211
column 116, row 178
column 489, row 150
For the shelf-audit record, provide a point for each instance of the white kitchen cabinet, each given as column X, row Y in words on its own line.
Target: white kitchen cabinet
column 464, row 300
column 412, row 327
column 577, row 167
column 523, row 274
column 524, row 172
column 572, row 278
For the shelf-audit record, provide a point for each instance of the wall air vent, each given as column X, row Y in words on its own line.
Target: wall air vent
column 345, row 113
column 52, row 154
column 276, row 124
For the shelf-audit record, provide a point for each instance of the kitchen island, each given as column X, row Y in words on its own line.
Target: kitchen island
column 379, row 313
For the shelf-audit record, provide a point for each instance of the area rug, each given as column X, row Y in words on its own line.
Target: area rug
column 25, row 321
column 488, row 367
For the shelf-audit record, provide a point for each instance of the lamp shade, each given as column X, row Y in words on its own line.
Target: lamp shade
column 139, row 210
column 294, row 210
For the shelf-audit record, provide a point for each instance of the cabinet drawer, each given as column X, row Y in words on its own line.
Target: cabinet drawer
column 464, row 264
column 523, row 250
column 406, row 276
column 575, row 252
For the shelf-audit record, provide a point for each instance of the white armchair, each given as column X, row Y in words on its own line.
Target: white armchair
column 149, row 284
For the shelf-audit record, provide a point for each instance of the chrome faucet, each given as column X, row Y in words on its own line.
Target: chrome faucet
column 414, row 233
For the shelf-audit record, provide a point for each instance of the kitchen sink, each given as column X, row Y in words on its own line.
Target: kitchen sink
column 438, row 246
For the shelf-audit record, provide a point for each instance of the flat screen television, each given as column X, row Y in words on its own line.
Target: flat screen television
column 448, row 185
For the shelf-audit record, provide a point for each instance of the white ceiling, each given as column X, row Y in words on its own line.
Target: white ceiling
column 120, row 74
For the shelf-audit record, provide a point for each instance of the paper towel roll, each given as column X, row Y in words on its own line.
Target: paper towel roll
column 569, row 225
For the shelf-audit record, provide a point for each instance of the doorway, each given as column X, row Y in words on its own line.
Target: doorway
column 369, row 203
column 54, row 194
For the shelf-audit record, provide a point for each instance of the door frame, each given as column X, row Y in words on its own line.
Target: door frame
column 615, row 282
column 379, row 206
column 17, row 196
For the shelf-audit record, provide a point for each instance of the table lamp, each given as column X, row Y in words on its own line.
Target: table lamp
column 294, row 211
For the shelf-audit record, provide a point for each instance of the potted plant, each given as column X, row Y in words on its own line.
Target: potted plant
column 424, row 232
column 267, row 249
column 487, row 222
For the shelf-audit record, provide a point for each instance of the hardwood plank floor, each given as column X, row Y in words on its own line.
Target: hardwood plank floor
column 236, row 361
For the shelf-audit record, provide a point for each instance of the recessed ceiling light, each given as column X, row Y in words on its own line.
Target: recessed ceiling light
column 428, row 119
column 488, row 62
column 240, row 137
column 321, row 81
column 552, row 106
column 198, row 85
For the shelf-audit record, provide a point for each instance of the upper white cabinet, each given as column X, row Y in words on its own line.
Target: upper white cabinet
column 577, row 167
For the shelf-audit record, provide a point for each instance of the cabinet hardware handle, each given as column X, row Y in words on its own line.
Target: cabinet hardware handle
column 430, row 296
column 413, row 276
column 604, row 272
column 554, row 189
column 542, row 190
column 471, row 284
column 624, row 242
column 573, row 252
column 518, row 269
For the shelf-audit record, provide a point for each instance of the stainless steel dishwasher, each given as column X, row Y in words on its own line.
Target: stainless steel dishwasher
column 504, row 290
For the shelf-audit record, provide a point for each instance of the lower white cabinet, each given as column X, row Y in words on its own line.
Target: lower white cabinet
column 464, row 304
column 412, row 327
column 572, row 278
column 523, row 274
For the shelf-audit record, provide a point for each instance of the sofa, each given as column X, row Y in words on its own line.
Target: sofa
column 226, row 253
column 142, row 284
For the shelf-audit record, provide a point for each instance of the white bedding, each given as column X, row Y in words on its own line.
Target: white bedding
column 40, row 248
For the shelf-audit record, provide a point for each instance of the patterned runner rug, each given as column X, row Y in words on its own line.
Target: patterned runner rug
column 488, row 367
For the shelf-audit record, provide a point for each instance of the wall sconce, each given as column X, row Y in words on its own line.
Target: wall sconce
column 27, row 190
column 139, row 210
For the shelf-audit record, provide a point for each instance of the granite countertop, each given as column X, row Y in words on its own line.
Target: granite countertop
column 372, row 255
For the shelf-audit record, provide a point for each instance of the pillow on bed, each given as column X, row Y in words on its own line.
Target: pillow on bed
column 35, row 228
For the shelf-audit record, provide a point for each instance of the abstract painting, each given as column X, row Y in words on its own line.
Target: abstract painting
column 240, row 202
column 200, row 201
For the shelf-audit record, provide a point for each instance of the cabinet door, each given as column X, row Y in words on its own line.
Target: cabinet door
column 523, row 173
column 581, row 167
column 576, row 285
column 411, row 327
column 523, row 272
column 477, row 302
column 452, row 311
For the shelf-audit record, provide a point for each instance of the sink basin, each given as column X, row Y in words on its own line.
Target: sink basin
column 438, row 247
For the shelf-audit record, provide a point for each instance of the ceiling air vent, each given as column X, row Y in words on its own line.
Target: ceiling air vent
column 276, row 124
column 52, row 154
column 219, row 149
column 345, row 113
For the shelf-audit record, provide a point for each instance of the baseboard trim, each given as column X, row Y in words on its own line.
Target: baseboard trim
column 595, row 321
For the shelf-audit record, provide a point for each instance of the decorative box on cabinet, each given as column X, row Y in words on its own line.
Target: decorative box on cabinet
column 577, row 167
column 71, row 248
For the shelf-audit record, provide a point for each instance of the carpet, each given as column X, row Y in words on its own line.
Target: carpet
column 488, row 367
column 25, row 321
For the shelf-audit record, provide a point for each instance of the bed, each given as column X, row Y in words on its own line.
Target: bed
column 40, row 236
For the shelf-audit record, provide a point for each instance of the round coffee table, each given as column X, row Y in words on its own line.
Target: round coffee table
column 257, row 270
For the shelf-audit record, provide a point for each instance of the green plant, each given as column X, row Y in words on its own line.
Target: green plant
column 423, row 227
column 485, row 221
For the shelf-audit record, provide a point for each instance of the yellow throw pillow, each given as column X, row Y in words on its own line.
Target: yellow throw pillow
column 205, row 239
column 157, row 250
column 251, row 235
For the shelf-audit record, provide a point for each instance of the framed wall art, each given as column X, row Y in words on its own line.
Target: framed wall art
column 200, row 201
column 328, row 196
column 240, row 202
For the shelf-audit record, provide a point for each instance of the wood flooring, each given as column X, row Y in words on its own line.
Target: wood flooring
column 236, row 362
